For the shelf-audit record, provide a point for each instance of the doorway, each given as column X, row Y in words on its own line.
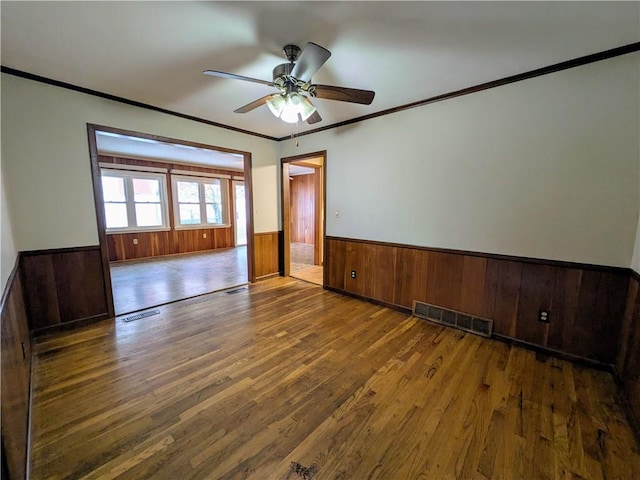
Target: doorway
column 303, row 216
column 240, row 213
column 180, row 228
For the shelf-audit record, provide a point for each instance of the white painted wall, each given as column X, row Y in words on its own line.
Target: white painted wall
column 635, row 262
column 8, row 251
column 545, row 168
column 46, row 160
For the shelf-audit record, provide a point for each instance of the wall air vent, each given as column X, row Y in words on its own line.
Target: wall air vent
column 452, row 318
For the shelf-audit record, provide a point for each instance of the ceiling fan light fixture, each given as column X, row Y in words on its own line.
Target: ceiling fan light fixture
column 276, row 104
column 306, row 108
column 294, row 104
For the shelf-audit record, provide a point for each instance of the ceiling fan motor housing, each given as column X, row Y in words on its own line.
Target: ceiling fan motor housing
column 282, row 70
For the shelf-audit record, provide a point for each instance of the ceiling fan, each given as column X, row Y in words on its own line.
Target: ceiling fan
column 293, row 80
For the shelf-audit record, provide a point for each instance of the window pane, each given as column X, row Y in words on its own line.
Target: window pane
column 113, row 189
column 188, row 192
column 146, row 190
column 214, row 213
column 212, row 192
column 148, row 214
column 189, row 214
column 116, row 215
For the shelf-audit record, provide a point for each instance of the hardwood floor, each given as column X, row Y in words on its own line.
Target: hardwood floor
column 145, row 283
column 284, row 380
column 302, row 266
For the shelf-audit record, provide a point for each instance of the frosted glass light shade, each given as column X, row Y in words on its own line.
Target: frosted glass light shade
column 288, row 107
column 276, row 104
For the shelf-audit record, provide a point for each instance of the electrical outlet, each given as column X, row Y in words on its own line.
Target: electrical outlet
column 543, row 316
column 353, row 274
column 204, row 235
column 135, row 241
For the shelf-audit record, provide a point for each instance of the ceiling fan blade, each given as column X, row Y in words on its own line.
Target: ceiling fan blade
column 255, row 104
column 343, row 94
column 233, row 76
column 314, row 118
column 309, row 62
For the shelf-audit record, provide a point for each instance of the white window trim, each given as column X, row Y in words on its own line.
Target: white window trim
column 224, row 190
column 189, row 173
column 128, row 175
column 137, row 168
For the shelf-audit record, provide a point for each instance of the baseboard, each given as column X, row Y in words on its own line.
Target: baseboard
column 267, row 276
column 71, row 325
column 577, row 359
column 392, row 306
column 587, row 362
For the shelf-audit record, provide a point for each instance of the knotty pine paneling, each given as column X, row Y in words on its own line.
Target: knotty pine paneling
column 265, row 247
column 586, row 304
column 303, row 208
column 151, row 244
column 63, row 286
column 16, row 369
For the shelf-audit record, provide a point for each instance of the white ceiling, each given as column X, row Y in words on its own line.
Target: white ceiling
column 134, row 147
column 154, row 52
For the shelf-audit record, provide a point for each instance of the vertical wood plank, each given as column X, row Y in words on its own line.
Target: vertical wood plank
column 15, row 378
column 444, row 279
column 507, row 297
column 40, row 286
column 266, row 253
column 536, row 293
column 335, row 263
column 474, row 274
column 565, row 302
column 492, row 274
column 411, row 276
column 79, row 285
column 384, row 273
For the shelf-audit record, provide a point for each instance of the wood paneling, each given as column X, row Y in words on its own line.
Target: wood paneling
column 16, row 370
column 151, row 244
column 586, row 302
column 628, row 358
column 266, row 253
column 303, row 208
column 63, row 286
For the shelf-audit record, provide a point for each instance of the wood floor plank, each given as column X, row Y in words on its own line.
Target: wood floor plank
column 284, row 380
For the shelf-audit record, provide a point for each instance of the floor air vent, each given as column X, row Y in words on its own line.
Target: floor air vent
column 463, row 321
column 237, row 290
column 138, row 316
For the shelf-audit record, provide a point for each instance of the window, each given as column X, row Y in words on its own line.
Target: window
column 134, row 201
column 199, row 202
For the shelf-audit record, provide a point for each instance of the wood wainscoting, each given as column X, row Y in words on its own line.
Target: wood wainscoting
column 266, row 247
column 586, row 303
column 152, row 244
column 628, row 360
column 16, row 377
column 64, row 286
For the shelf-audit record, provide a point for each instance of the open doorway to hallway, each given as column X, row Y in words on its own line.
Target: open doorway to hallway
column 173, row 217
column 303, row 190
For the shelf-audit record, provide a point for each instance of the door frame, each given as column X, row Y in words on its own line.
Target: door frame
column 320, row 237
column 99, row 198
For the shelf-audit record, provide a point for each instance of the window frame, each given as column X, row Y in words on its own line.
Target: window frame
column 201, row 181
column 128, row 176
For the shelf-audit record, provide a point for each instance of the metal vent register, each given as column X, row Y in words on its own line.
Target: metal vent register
column 452, row 318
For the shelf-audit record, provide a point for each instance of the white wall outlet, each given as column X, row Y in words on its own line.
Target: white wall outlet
column 135, row 241
column 204, row 235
